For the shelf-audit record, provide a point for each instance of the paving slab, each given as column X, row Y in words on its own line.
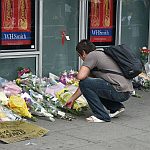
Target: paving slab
column 144, row 138
column 53, row 141
column 102, row 132
column 127, row 143
column 135, row 123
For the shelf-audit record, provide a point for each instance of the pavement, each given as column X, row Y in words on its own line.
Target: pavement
column 130, row 131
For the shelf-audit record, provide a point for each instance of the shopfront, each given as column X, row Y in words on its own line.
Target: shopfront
column 128, row 21
column 55, row 27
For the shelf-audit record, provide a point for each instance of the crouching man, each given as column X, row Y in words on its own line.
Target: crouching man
column 103, row 91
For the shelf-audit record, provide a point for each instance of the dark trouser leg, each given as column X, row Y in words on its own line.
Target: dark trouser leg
column 113, row 106
column 95, row 105
column 95, row 90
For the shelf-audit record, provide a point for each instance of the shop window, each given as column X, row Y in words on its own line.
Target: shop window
column 135, row 23
column 60, row 19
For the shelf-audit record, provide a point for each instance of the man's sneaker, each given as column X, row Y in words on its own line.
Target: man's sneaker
column 94, row 119
column 117, row 113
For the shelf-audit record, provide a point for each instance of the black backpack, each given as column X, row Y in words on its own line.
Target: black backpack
column 129, row 63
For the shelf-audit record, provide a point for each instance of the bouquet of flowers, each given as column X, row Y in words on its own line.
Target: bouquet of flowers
column 35, row 108
column 69, row 77
column 24, row 72
column 141, row 82
column 18, row 105
column 144, row 54
column 51, row 105
column 64, row 95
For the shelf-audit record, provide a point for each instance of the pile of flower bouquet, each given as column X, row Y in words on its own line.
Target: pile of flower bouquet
column 30, row 95
column 44, row 97
column 37, row 101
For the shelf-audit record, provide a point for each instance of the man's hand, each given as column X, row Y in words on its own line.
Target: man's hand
column 69, row 104
column 72, row 99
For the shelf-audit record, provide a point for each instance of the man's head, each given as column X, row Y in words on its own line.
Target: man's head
column 84, row 47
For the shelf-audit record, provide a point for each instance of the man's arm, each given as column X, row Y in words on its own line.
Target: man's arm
column 82, row 74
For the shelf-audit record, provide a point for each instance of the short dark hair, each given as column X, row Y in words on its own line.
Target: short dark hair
column 85, row 45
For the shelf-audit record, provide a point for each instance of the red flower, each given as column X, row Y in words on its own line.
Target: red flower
column 20, row 73
column 26, row 70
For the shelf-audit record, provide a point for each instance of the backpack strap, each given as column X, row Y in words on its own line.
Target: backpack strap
column 100, row 49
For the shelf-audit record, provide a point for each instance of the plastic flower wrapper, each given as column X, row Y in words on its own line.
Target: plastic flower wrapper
column 18, row 105
column 34, row 107
column 141, row 82
column 11, row 88
column 3, row 98
column 54, row 88
column 8, row 115
column 145, row 80
column 51, row 104
column 3, row 116
column 53, row 78
column 64, row 95
column 2, row 81
column 147, row 68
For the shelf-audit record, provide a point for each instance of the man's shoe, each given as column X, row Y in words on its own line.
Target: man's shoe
column 117, row 113
column 94, row 119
